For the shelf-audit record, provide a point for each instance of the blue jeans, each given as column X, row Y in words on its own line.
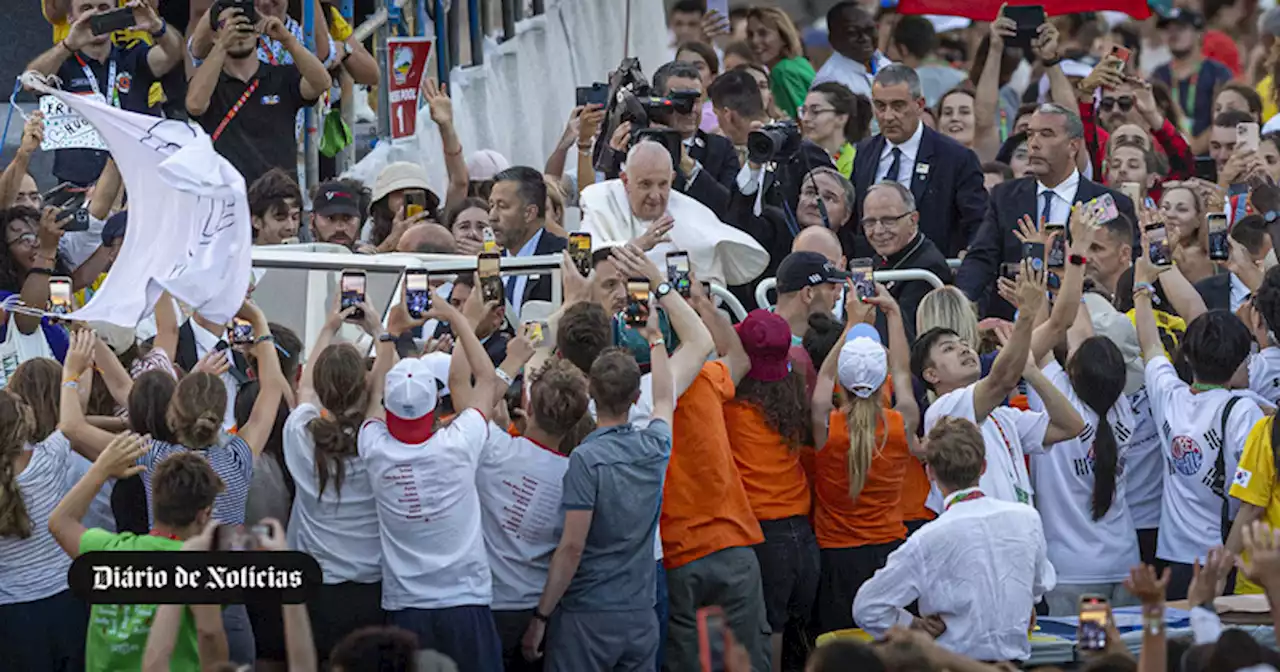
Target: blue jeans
column 660, row 608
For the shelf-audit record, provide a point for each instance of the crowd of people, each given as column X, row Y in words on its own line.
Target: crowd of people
column 1068, row 403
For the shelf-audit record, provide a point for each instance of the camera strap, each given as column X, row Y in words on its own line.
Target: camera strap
column 235, row 109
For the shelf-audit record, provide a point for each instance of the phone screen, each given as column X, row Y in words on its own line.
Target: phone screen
column 415, row 202
column 490, row 281
column 580, row 252
column 241, row 332
column 1133, row 190
column 861, row 274
column 1092, row 633
column 1058, row 246
column 637, row 310
column 678, row 273
column 417, row 293
column 1158, row 242
column 353, row 292
column 1247, row 138
column 60, row 295
column 1219, row 247
column 490, row 242
column 537, row 330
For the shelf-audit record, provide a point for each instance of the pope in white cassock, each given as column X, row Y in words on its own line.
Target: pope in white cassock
column 619, row 211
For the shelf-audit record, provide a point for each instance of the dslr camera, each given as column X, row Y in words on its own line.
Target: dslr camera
column 776, row 142
column 631, row 99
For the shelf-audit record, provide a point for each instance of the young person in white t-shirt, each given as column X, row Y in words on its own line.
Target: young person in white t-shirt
column 435, row 574
column 334, row 517
column 1203, row 426
column 950, row 368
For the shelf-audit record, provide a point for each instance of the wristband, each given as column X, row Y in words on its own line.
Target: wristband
column 266, row 338
column 164, row 28
column 502, row 375
column 388, row 338
column 1051, row 63
column 656, row 342
column 1139, row 287
column 1077, row 260
column 537, row 616
column 71, row 384
column 40, row 271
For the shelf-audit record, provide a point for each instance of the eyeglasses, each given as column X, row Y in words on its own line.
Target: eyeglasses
column 28, row 239
column 1124, row 102
column 808, row 111
column 883, row 222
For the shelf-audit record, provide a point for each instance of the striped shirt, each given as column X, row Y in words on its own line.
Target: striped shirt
column 155, row 360
column 231, row 459
column 35, row 568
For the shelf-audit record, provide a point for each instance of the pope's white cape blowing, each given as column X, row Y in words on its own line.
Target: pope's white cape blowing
column 188, row 230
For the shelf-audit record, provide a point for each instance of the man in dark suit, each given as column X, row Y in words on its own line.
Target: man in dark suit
column 517, row 212
column 894, row 242
column 1225, row 290
column 944, row 177
column 709, row 163
column 1055, row 137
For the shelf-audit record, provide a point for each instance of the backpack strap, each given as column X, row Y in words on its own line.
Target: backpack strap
column 1219, row 464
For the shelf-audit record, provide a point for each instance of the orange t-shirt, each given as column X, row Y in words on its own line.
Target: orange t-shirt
column 771, row 473
column 704, row 506
column 915, row 484
column 876, row 516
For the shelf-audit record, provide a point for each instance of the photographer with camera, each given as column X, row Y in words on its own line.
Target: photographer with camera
column 776, row 155
column 708, row 163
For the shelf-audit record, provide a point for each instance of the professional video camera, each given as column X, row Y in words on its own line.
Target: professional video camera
column 631, row 100
column 778, row 141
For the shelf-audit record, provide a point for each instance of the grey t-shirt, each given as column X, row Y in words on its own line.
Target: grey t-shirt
column 617, row 474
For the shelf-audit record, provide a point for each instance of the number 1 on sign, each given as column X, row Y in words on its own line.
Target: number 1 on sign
column 400, row 118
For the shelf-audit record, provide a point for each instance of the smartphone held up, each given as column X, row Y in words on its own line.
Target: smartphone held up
column 352, row 288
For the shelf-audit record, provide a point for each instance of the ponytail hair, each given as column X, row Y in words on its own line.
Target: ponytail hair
column 339, row 379
column 862, row 415
column 1097, row 374
column 17, row 423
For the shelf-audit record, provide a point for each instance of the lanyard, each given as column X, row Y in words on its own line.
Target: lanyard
column 235, row 109
column 1023, row 496
column 114, row 101
column 266, row 49
column 963, row 497
column 1189, row 105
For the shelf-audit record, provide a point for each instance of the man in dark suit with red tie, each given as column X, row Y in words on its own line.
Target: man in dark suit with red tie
column 1055, row 138
column 944, row 177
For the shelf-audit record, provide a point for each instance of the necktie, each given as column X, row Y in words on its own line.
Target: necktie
column 1046, row 203
column 511, row 289
column 895, row 165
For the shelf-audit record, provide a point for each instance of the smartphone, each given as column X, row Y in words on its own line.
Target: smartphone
column 1057, row 257
column 1219, row 247
column 415, row 202
column 1247, row 137
column 537, row 330
column 1133, row 191
column 245, row 6
column 240, row 332
column 719, row 6
column 1035, row 253
column 678, row 273
column 636, row 314
column 713, row 639
column 861, row 274
column 490, row 242
column 1009, row 271
column 74, row 219
column 110, row 22
column 60, row 195
column 60, row 295
column 580, row 252
column 234, row 538
column 352, row 286
column 1028, row 18
column 1052, row 281
column 490, row 280
column 1158, row 244
column 1121, row 53
column 1104, row 208
column 596, row 94
column 417, row 292
column 1092, row 632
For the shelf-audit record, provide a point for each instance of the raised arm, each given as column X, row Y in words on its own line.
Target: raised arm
column 11, row 178
column 1064, row 420
column 1066, row 305
column 728, row 345
column 85, row 438
column 35, row 288
column 333, row 321
column 1144, row 274
column 166, row 326
column 455, row 164
column 262, row 419
column 119, row 460
column 119, row 384
column 205, row 79
column 77, row 38
column 986, row 105
column 899, row 359
column 1007, row 370
column 168, row 50
column 1144, row 584
column 695, row 340
column 486, row 379
column 315, row 78
column 821, row 405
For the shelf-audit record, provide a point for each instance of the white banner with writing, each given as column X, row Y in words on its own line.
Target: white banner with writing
column 64, row 128
column 188, row 229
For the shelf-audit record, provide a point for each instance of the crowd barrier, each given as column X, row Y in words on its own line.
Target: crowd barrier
column 902, row 275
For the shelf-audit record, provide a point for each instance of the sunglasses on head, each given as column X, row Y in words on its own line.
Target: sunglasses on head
column 1124, row 102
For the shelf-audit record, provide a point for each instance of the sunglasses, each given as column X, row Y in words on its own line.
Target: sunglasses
column 1125, row 103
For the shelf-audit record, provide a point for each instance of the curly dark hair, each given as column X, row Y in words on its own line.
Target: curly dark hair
column 11, row 276
column 784, row 404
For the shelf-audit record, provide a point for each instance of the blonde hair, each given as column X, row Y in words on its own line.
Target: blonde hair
column 948, row 307
column 17, row 423
column 862, row 415
column 775, row 18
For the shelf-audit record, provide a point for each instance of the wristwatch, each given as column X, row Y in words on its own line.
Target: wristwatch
column 1271, row 216
column 663, row 289
column 346, row 52
column 387, row 338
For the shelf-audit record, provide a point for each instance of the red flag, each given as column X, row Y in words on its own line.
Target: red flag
column 987, row 10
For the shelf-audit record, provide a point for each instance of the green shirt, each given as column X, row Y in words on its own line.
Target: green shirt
column 790, row 80
column 118, row 632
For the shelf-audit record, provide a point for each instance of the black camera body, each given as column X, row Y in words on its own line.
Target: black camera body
column 668, row 138
column 778, row 141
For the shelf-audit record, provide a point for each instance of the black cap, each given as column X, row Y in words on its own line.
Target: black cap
column 114, row 227
column 333, row 198
column 1184, row 16
column 806, row 269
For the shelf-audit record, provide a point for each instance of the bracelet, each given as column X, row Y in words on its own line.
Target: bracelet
column 1141, row 287
column 449, row 153
column 388, row 338
column 1050, row 64
column 656, row 342
column 266, row 338
column 538, row 616
column 71, row 384
column 164, row 28
column 40, row 271
column 1077, row 260
column 502, row 375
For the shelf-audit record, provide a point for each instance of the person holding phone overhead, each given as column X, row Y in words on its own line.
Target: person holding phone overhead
column 89, row 64
column 1191, row 77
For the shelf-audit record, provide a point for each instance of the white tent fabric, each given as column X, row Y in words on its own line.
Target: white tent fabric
column 518, row 101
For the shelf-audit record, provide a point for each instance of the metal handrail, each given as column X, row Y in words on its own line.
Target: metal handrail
column 954, row 263
column 897, row 275
column 730, row 301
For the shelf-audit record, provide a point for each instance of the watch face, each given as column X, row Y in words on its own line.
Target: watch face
column 664, row 288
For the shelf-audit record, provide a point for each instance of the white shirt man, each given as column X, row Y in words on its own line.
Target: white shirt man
column 907, row 152
column 1059, row 205
column 852, row 74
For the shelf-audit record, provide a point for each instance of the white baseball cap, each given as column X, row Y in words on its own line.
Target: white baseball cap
column 1116, row 326
column 410, row 400
column 863, row 364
